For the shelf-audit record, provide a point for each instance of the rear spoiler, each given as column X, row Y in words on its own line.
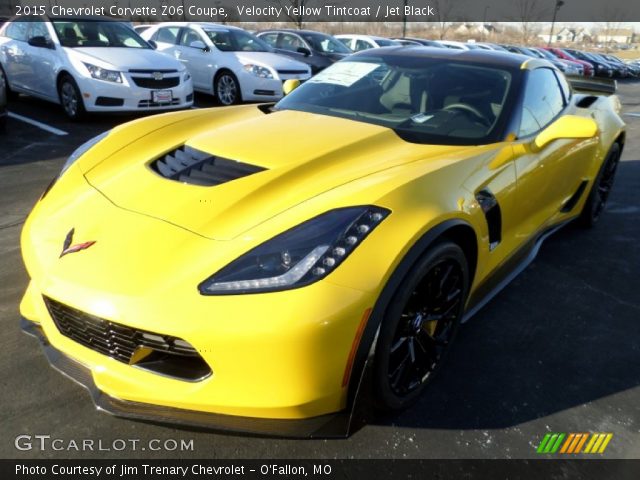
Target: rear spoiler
column 593, row 85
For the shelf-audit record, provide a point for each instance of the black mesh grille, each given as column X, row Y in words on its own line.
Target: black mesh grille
column 292, row 72
column 140, row 70
column 189, row 165
column 169, row 354
column 144, row 82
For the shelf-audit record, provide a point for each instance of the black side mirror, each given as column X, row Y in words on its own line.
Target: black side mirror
column 41, row 42
column 305, row 51
column 153, row 44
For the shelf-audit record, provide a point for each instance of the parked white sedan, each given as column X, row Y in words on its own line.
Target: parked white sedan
column 357, row 43
column 227, row 62
column 89, row 65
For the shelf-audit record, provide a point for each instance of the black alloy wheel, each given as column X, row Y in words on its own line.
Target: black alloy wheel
column 420, row 325
column 601, row 189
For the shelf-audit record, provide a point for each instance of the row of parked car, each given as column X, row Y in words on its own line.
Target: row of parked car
column 108, row 66
column 569, row 60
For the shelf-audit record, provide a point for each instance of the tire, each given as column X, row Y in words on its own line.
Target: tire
column 3, row 123
column 601, row 188
column 417, row 331
column 226, row 89
column 71, row 98
column 11, row 95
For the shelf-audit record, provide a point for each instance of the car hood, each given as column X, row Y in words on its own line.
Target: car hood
column 124, row 59
column 295, row 156
column 279, row 62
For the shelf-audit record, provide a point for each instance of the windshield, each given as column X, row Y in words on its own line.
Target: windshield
column 236, row 41
column 423, row 100
column 89, row 33
column 531, row 52
column 325, row 43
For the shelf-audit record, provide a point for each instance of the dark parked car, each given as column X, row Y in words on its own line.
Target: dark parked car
column 318, row 50
column 616, row 70
column 621, row 69
column 634, row 65
column 600, row 67
column 3, row 102
column 417, row 41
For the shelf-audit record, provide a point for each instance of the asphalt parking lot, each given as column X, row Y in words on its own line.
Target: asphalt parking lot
column 557, row 351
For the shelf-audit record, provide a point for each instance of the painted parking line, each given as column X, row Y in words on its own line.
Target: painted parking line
column 40, row 125
column 633, row 114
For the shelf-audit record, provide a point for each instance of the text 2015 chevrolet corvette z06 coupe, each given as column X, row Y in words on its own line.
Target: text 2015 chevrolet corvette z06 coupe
column 261, row 268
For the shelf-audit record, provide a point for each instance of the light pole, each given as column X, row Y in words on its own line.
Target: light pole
column 404, row 19
column 484, row 20
column 559, row 4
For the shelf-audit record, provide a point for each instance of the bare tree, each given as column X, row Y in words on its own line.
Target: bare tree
column 298, row 5
column 527, row 13
column 444, row 12
column 615, row 20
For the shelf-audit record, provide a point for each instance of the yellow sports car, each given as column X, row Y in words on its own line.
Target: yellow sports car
column 265, row 268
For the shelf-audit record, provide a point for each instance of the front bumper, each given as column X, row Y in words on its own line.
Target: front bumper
column 100, row 96
column 255, row 89
column 325, row 426
column 264, row 366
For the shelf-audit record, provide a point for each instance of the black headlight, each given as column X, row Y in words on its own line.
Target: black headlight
column 299, row 256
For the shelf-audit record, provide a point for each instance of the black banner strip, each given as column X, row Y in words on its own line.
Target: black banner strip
column 616, row 13
column 320, row 469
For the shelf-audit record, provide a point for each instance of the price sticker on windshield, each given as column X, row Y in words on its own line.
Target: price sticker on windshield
column 345, row 73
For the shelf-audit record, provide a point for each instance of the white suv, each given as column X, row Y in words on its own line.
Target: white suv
column 227, row 62
column 91, row 66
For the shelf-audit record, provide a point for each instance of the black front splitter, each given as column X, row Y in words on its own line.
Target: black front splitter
column 338, row 425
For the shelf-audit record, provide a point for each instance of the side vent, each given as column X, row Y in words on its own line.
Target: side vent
column 573, row 200
column 491, row 209
column 188, row 165
column 586, row 101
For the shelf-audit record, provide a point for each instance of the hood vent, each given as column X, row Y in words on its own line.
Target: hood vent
column 188, row 165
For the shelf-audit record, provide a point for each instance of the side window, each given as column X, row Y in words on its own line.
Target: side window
column 291, row 42
column 361, row 45
column 564, row 85
column 543, row 101
column 270, row 38
column 39, row 29
column 189, row 36
column 18, row 31
column 346, row 42
column 167, row 35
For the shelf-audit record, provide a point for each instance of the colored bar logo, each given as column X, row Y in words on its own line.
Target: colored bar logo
column 574, row 443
